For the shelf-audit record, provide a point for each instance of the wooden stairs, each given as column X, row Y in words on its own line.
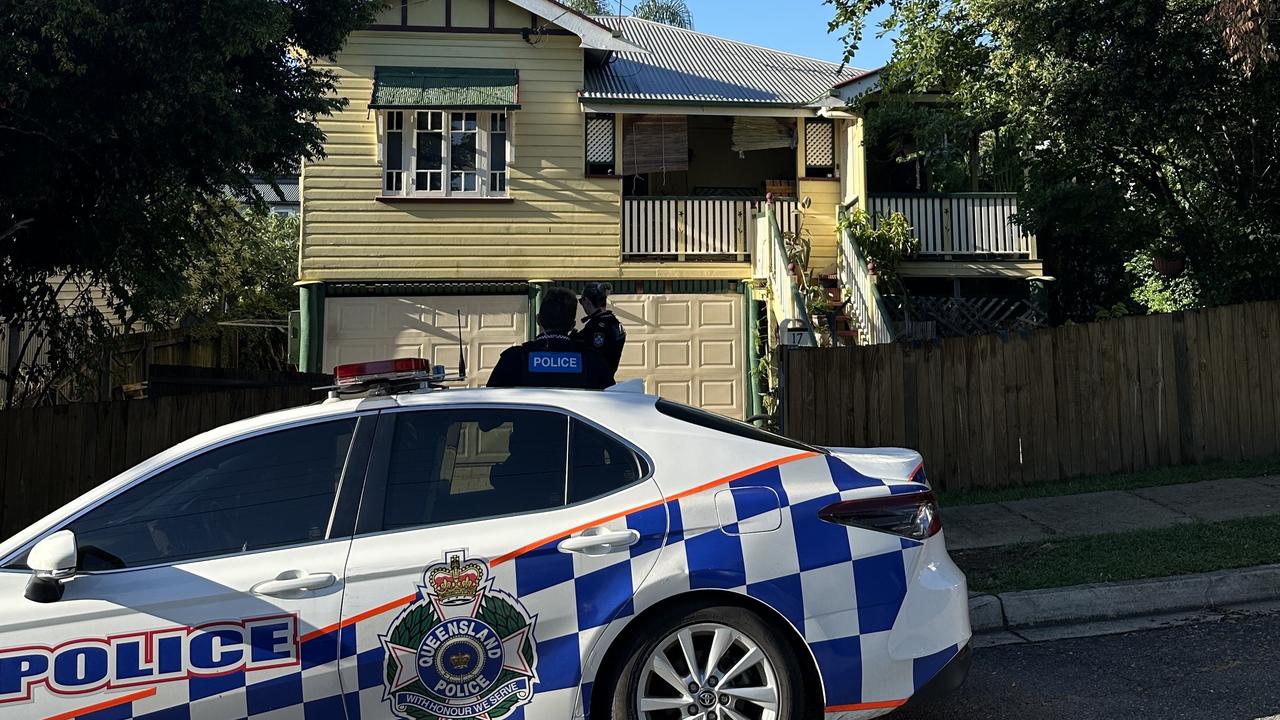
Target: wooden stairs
column 844, row 329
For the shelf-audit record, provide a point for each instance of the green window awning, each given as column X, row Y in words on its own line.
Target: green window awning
column 425, row 87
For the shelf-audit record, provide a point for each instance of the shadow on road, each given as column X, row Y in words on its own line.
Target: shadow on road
column 1225, row 669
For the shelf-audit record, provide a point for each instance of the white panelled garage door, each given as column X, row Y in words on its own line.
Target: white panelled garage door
column 381, row 328
column 688, row 348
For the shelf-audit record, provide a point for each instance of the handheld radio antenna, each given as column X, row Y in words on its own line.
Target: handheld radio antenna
column 462, row 355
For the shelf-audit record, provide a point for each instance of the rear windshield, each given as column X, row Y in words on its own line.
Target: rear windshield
column 728, row 425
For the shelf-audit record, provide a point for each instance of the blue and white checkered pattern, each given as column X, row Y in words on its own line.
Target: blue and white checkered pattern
column 840, row 588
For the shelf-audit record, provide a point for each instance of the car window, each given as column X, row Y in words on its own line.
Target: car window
column 598, row 463
column 723, row 424
column 267, row 491
column 455, row 465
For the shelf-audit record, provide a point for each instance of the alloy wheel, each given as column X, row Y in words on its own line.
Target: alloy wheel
column 707, row 671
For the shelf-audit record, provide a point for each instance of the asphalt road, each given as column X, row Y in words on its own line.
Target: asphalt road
column 1227, row 669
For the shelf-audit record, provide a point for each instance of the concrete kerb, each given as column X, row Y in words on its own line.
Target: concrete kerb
column 1222, row 589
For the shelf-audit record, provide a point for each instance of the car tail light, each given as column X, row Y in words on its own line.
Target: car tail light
column 382, row 370
column 910, row 515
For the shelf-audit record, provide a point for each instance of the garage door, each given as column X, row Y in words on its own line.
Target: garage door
column 688, row 348
column 381, row 328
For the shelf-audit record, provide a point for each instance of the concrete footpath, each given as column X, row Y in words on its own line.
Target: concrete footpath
column 1105, row 608
column 970, row 527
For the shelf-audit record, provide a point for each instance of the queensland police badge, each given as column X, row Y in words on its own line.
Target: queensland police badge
column 462, row 649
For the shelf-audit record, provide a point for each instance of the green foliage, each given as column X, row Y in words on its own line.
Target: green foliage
column 409, row 633
column 669, row 12
column 1141, row 131
column 1161, row 294
column 1116, row 557
column 122, row 124
column 885, row 246
column 246, row 275
column 587, row 7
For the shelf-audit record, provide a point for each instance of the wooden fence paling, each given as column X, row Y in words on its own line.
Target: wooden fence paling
column 1120, row 395
column 51, row 455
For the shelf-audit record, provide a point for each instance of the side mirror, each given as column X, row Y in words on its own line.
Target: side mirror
column 52, row 560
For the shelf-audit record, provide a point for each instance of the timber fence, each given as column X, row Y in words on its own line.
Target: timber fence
column 1113, row 396
column 51, row 455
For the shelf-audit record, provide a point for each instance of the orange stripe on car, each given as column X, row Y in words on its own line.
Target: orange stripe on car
column 104, row 705
column 880, row 705
column 346, row 622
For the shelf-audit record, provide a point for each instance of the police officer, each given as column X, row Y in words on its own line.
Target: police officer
column 553, row 359
column 601, row 329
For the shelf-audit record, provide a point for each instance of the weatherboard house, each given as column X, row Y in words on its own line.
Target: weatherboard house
column 493, row 148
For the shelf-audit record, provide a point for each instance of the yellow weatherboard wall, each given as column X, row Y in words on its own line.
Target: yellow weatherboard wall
column 820, row 220
column 559, row 223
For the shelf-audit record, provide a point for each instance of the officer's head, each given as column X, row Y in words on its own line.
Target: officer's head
column 595, row 295
column 559, row 311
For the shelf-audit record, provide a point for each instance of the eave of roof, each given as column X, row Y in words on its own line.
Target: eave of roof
column 594, row 34
column 853, row 88
column 688, row 67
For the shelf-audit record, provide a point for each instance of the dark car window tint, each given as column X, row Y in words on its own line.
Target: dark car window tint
column 268, row 491
column 598, row 463
column 727, row 425
column 456, row 465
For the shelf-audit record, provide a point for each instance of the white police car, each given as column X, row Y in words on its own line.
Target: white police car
column 536, row 554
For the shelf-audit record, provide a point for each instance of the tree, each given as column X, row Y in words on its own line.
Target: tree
column 1246, row 31
column 123, row 124
column 247, row 278
column 588, row 7
column 1143, row 134
column 668, row 12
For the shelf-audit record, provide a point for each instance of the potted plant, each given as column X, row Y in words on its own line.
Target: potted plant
column 1168, row 259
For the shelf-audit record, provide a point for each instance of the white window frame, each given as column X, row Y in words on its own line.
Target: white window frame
column 487, row 183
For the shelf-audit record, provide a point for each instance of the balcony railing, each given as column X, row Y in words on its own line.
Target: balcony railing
column 680, row 227
column 960, row 223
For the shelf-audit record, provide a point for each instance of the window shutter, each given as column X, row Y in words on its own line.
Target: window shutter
column 655, row 143
column 762, row 133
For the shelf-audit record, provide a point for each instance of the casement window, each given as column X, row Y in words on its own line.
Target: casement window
column 444, row 153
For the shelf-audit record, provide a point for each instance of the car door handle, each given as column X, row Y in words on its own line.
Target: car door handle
column 294, row 581
column 599, row 541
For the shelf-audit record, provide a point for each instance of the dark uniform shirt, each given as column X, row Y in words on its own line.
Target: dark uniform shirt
column 551, row 361
column 602, row 331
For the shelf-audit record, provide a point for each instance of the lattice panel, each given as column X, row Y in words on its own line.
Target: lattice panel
column 963, row 317
column 600, row 139
column 819, row 143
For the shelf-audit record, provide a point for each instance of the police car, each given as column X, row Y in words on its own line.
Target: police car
column 489, row 554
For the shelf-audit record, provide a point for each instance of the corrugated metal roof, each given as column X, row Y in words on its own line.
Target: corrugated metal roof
column 687, row 67
column 410, row 87
column 288, row 190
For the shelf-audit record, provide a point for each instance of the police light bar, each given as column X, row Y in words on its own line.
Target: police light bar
column 388, row 371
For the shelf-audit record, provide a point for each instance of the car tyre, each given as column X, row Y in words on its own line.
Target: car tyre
column 755, row 673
